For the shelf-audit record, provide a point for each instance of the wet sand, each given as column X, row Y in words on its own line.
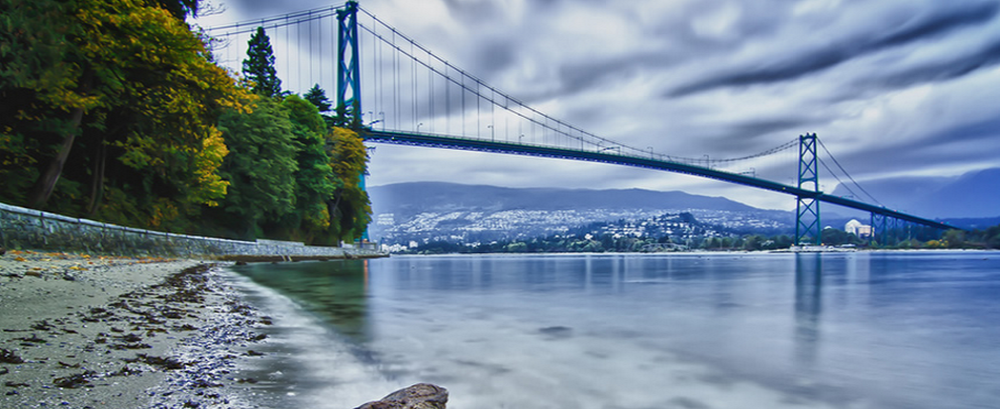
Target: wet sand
column 84, row 331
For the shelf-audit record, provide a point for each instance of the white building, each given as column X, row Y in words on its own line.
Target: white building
column 856, row 228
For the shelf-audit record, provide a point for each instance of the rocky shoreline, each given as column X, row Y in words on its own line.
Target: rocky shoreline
column 86, row 331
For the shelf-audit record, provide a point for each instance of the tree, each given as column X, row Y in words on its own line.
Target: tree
column 260, row 167
column 317, row 97
column 101, row 84
column 350, row 209
column 258, row 67
column 180, row 8
column 753, row 242
column 314, row 179
column 837, row 237
column 954, row 238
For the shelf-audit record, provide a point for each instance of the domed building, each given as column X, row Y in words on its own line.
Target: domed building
column 856, row 228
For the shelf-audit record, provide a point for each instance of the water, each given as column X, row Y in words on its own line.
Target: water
column 691, row 331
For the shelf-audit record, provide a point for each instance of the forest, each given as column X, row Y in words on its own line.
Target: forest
column 115, row 110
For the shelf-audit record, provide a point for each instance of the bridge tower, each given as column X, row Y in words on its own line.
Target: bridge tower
column 349, row 75
column 348, row 67
column 807, row 222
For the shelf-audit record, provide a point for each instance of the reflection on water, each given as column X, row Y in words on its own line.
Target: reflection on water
column 337, row 291
column 808, row 305
column 859, row 330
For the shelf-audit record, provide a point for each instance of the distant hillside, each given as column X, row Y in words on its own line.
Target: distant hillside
column 972, row 195
column 407, row 199
column 455, row 212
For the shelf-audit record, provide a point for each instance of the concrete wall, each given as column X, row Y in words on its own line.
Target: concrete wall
column 22, row 228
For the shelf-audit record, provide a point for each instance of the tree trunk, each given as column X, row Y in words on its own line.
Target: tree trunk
column 97, row 184
column 46, row 182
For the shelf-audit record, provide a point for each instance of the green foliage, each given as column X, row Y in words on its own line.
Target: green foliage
column 260, row 167
column 314, row 179
column 992, row 237
column 114, row 95
column 350, row 207
column 180, row 8
column 837, row 237
column 113, row 110
column 954, row 239
column 258, row 67
column 317, row 97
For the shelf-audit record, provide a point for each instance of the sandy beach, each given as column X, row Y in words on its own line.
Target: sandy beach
column 83, row 331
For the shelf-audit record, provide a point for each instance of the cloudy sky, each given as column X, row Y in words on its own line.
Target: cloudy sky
column 892, row 87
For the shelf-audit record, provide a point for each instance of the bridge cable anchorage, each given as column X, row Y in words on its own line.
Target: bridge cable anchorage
column 847, row 174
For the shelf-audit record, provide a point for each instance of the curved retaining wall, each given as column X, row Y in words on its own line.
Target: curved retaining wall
column 22, row 228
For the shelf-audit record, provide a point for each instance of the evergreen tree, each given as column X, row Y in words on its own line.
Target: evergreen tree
column 260, row 167
column 317, row 96
column 314, row 179
column 259, row 65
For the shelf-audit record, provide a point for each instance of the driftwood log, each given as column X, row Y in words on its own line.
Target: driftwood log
column 419, row 396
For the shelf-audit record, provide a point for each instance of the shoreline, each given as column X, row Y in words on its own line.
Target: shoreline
column 87, row 331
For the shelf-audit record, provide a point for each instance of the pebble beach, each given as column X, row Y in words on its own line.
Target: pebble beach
column 82, row 331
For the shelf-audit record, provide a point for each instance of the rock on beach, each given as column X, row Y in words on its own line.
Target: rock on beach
column 419, row 396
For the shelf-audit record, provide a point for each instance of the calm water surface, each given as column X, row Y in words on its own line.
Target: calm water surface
column 690, row 331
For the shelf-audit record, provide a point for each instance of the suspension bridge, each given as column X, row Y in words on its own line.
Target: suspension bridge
column 414, row 97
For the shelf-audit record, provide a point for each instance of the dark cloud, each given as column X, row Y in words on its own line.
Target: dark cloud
column 942, row 70
column 578, row 77
column 494, row 56
column 738, row 139
column 266, row 8
column 472, row 11
column 970, row 143
column 786, row 68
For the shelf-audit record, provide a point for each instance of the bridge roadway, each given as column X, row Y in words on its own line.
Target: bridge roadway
column 451, row 142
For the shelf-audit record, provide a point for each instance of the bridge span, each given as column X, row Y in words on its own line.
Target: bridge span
column 611, row 157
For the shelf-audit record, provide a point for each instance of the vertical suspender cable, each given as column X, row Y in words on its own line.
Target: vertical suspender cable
column 298, row 62
column 413, row 86
column 479, row 98
column 447, row 101
column 463, row 103
column 310, row 51
column 334, row 27
column 319, row 33
column 395, row 78
column 288, row 53
column 430, row 93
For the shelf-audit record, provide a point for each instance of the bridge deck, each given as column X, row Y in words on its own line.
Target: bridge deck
column 450, row 142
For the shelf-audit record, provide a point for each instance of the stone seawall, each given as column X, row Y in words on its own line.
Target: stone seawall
column 22, row 228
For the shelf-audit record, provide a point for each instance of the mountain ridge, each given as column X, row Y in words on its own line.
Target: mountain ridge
column 443, row 195
column 973, row 194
